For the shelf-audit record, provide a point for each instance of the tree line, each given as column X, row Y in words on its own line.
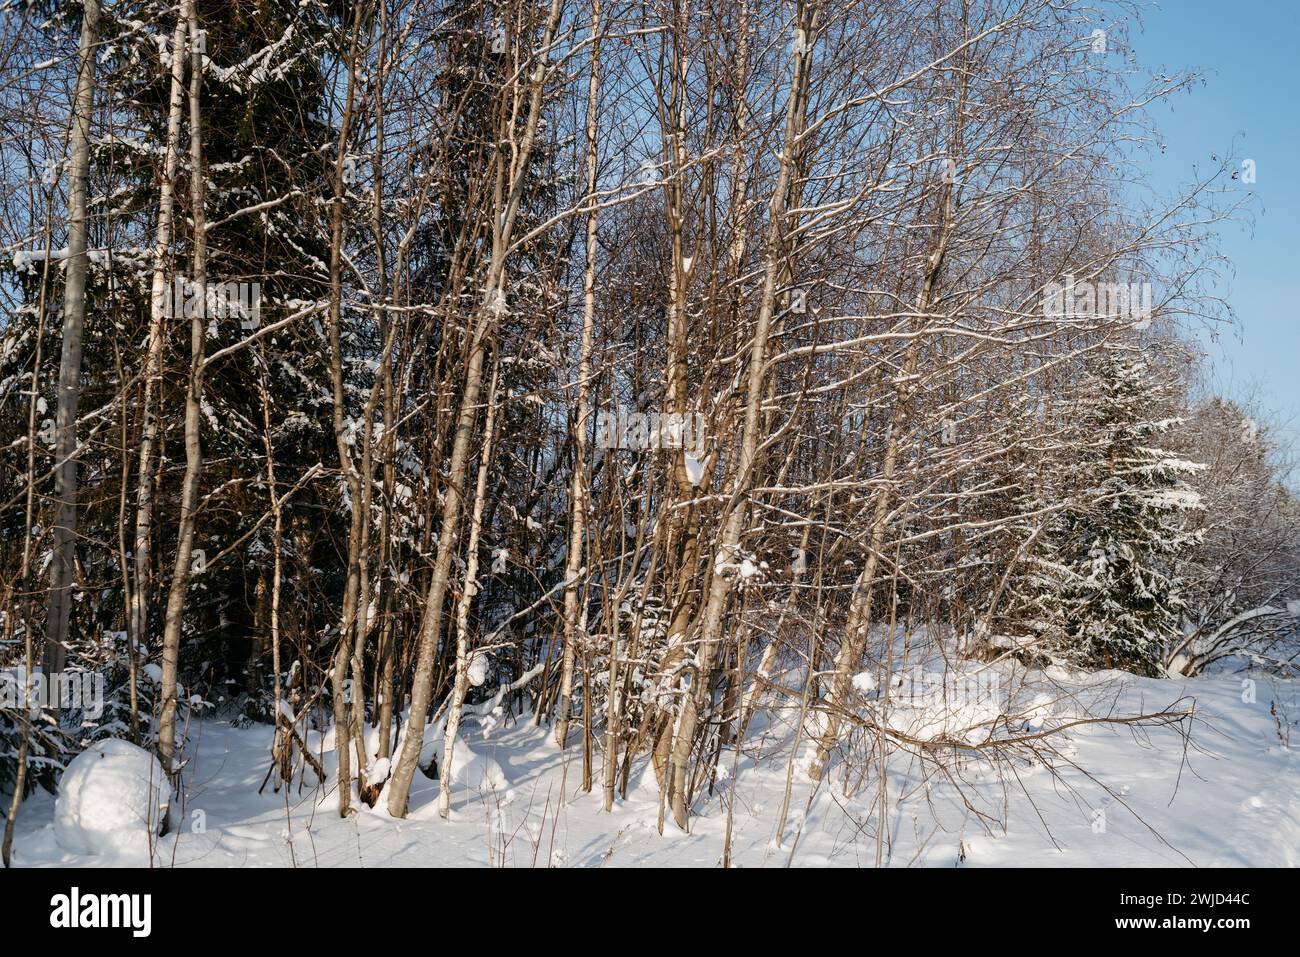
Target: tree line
column 321, row 323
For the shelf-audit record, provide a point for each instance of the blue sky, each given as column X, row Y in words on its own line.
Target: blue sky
column 1248, row 107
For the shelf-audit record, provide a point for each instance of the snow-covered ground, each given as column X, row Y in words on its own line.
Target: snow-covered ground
column 1117, row 796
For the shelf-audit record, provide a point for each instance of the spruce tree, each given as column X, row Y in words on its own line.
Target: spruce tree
column 1120, row 602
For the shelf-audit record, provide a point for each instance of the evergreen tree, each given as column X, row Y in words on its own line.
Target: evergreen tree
column 1121, row 605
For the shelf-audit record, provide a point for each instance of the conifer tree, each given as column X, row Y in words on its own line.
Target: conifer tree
column 1121, row 603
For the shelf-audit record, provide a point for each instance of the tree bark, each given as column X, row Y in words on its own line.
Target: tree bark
column 460, row 683
column 63, row 564
column 578, row 487
column 178, row 591
column 720, row 584
column 490, row 308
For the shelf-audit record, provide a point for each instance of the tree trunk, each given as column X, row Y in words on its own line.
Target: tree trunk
column 139, row 617
column 63, row 564
column 490, row 307
column 720, row 584
column 177, row 593
column 578, row 488
column 460, row 684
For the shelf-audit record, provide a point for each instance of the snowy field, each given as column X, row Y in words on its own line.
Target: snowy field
column 1112, row 796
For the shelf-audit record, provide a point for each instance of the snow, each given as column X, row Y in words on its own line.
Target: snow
column 1040, row 711
column 694, row 468
column 110, row 802
column 478, row 669
column 864, row 682
column 476, row 776
column 1231, row 799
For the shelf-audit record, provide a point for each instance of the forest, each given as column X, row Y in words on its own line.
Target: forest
column 682, row 390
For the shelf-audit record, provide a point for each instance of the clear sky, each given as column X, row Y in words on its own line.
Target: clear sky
column 1248, row 107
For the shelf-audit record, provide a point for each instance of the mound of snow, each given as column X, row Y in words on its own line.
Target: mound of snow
column 477, row 775
column 110, row 800
column 379, row 771
column 478, row 669
column 864, row 682
column 1040, row 709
